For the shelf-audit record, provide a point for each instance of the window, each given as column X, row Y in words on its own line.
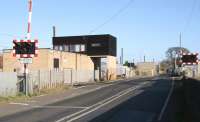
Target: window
column 56, row 47
column 82, row 48
column 96, row 45
column 77, row 48
column 66, row 48
column 72, row 48
column 61, row 48
column 56, row 63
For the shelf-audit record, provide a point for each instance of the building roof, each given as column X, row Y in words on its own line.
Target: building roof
column 82, row 38
column 101, row 35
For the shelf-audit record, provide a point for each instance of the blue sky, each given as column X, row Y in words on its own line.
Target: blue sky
column 146, row 27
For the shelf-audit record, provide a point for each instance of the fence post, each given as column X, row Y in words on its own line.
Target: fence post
column 50, row 77
column 39, row 84
column 71, row 73
column 63, row 71
column 76, row 76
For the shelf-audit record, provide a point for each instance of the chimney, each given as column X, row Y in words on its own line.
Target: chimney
column 54, row 31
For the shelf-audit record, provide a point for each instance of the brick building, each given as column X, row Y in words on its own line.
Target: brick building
column 49, row 59
column 71, row 52
column 97, row 47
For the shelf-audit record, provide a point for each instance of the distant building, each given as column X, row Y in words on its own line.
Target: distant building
column 198, row 69
column 147, row 68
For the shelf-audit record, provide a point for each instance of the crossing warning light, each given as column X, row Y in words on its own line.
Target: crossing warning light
column 189, row 58
column 25, row 48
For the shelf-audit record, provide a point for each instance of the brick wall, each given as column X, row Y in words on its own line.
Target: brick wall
column 1, row 62
column 112, row 67
column 44, row 61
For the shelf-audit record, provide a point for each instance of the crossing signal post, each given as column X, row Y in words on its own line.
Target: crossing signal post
column 191, row 60
column 25, row 50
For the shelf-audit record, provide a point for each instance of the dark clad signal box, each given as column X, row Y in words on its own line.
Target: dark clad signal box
column 91, row 45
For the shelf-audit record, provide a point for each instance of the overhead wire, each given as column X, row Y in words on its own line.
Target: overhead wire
column 113, row 16
column 190, row 17
column 122, row 9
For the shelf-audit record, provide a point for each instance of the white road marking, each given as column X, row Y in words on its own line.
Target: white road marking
column 80, row 87
column 99, row 88
column 96, row 88
column 60, row 107
column 166, row 102
column 22, row 104
column 92, row 90
column 32, row 101
column 99, row 104
column 41, row 95
column 88, row 112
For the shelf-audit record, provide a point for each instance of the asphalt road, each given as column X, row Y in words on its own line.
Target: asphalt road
column 125, row 101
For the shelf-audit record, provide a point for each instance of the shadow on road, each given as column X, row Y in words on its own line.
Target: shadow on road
column 144, row 107
column 184, row 105
column 192, row 100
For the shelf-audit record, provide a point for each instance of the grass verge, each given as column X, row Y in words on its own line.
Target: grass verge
column 23, row 97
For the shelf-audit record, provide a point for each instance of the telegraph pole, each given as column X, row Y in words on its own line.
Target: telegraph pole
column 179, row 53
column 180, row 40
column 180, row 44
column 54, row 31
column 122, row 56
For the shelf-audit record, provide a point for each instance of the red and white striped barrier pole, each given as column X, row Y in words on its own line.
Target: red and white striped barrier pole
column 29, row 19
column 28, row 38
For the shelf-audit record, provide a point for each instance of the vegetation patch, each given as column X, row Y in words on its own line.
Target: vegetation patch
column 23, row 97
column 18, row 97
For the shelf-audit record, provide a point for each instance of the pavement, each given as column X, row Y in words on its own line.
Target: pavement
column 45, row 99
column 138, row 100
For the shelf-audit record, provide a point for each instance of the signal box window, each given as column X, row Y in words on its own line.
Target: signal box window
column 66, row 48
column 72, row 48
column 82, row 48
column 56, row 47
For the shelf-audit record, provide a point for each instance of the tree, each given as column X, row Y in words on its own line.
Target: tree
column 172, row 52
column 126, row 63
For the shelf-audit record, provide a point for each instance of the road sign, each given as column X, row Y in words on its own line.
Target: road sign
column 26, row 60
